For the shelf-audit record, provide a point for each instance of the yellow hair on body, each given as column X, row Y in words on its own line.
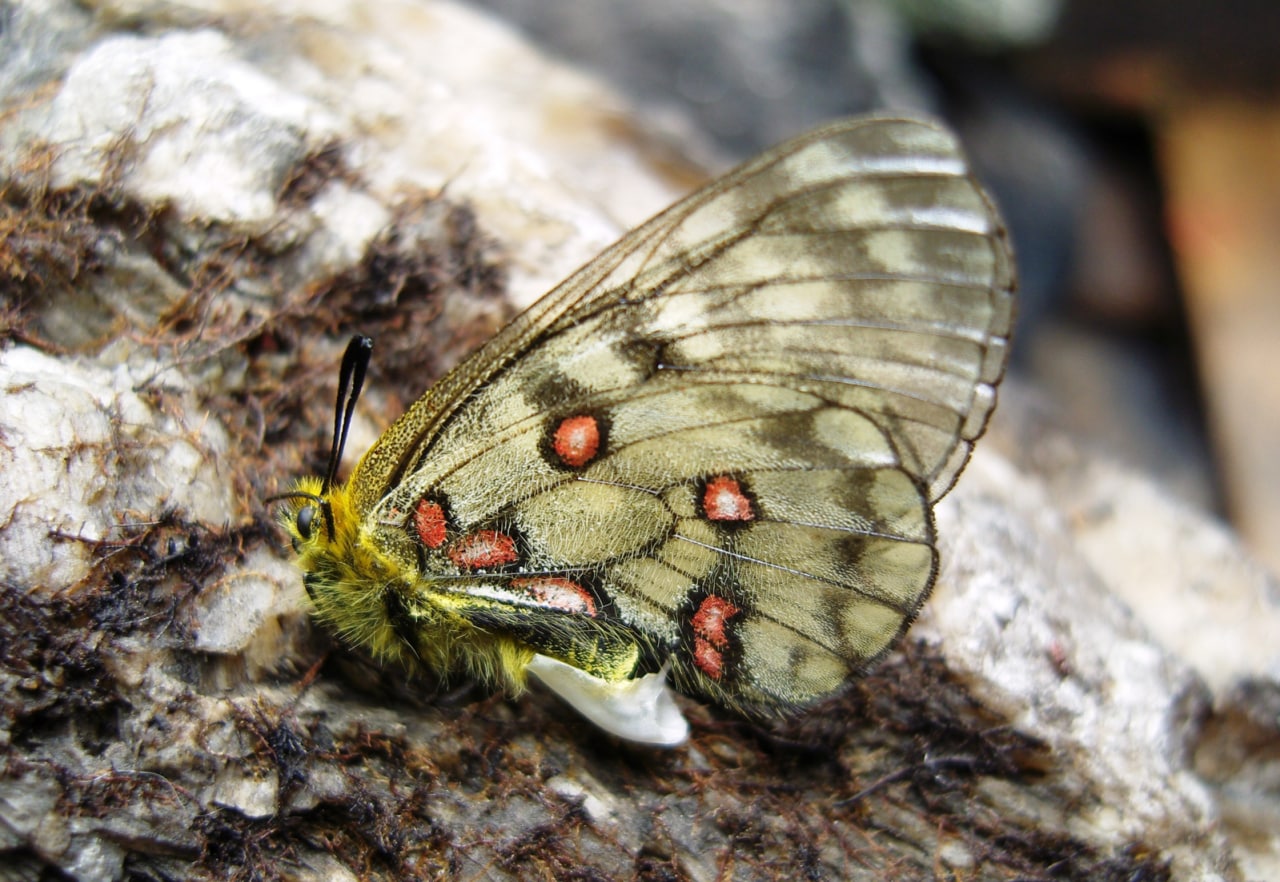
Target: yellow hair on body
column 354, row 586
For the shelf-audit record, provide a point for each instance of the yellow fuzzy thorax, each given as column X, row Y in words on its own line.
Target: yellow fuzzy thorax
column 371, row 600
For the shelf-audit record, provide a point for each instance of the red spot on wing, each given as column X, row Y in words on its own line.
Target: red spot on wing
column 725, row 500
column 483, row 548
column 711, row 634
column 708, row 658
column 557, row 592
column 711, row 621
column 576, row 440
column 429, row 521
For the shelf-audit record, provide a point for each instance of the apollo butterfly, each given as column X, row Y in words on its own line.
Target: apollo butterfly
column 711, row 454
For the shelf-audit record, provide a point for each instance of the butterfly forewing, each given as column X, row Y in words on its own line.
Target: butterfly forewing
column 727, row 431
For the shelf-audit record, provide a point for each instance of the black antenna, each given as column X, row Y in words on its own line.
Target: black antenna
column 350, row 380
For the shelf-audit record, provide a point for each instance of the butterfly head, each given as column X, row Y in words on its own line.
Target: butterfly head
column 319, row 520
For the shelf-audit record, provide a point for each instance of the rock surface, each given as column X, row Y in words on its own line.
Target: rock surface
column 199, row 201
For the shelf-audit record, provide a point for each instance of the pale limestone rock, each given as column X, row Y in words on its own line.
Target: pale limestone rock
column 253, row 796
column 437, row 96
column 1183, row 574
column 1201, row 607
column 234, row 616
column 84, row 453
column 199, row 127
column 1044, row 639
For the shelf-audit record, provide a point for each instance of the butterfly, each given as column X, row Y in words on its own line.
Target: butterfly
column 710, row 455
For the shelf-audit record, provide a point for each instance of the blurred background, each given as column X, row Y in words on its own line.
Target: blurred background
column 1134, row 147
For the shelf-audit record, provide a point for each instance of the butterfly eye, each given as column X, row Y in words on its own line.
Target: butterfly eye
column 306, row 521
